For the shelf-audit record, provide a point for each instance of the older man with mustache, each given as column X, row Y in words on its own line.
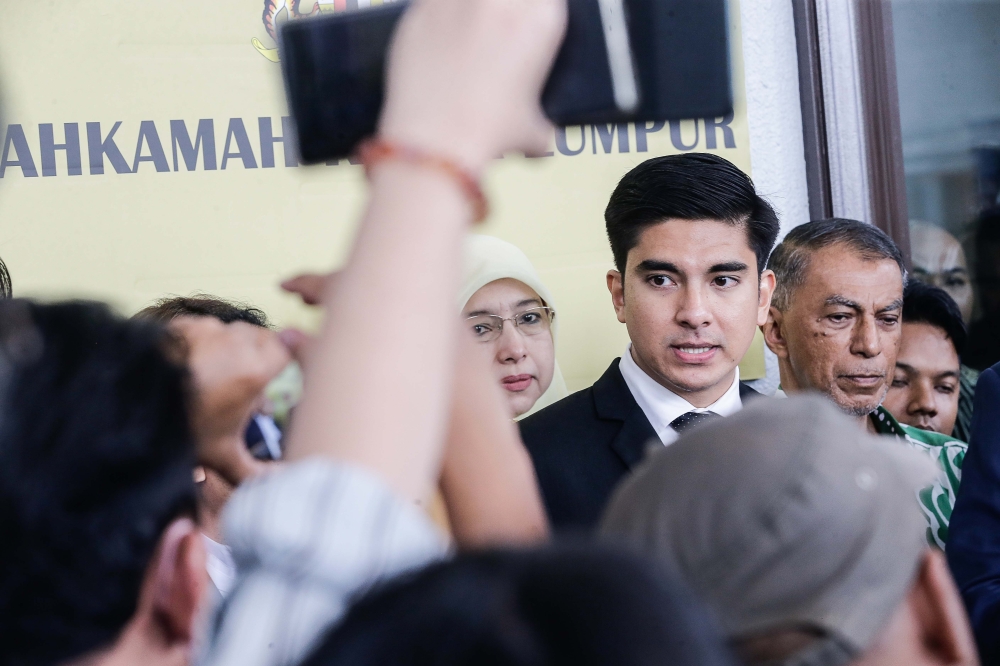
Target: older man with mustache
column 835, row 325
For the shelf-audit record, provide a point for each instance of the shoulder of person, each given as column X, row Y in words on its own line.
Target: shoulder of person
column 560, row 411
column 934, row 439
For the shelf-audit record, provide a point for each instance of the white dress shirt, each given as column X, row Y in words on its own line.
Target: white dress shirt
column 661, row 405
column 307, row 539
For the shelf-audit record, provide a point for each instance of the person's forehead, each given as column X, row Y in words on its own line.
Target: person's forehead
column 935, row 250
column 503, row 294
column 692, row 242
column 927, row 349
column 839, row 270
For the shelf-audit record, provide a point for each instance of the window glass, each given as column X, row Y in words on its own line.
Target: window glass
column 948, row 72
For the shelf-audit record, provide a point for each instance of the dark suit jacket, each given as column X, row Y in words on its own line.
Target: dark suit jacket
column 974, row 531
column 585, row 443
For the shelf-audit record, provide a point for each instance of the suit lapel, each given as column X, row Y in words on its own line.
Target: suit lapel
column 614, row 402
column 747, row 393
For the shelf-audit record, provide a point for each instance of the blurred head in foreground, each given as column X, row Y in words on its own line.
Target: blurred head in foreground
column 5, row 287
column 925, row 386
column 566, row 605
column 834, row 322
column 510, row 312
column 804, row 535
column 101, row 556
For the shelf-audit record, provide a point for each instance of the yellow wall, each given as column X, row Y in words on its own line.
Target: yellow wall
column 132, row 237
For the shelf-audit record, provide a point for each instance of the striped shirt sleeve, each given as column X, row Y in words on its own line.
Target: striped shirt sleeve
column 306, row 540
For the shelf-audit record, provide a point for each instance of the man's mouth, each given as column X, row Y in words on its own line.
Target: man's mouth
column 864, row 380
column 516, row 383
column 694, row 353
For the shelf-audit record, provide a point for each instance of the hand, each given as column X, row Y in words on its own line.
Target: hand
column 465, row 77
column 230, row 365
column 311, row 287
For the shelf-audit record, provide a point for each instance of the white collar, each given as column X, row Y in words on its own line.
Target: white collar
column 661, row 405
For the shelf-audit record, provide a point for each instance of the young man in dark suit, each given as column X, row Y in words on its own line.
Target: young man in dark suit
column 690, row 239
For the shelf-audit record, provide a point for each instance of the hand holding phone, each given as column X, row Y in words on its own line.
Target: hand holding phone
column 465, row 76
column 473, row 70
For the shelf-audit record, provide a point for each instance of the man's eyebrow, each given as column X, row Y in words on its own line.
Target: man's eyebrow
column 729, row 267
column 657, row 265
column 956, row 269
column 895, row 305
column 844, row 301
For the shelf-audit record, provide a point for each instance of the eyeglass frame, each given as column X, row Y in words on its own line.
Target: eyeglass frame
column 546, row 309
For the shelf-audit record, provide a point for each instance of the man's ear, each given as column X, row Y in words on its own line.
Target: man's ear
column 764, row 294
column 616, row 285
column 774, row 336
column 176, row 580
column 937, row 607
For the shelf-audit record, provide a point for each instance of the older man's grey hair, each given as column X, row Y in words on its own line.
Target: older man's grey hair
column 790, row 260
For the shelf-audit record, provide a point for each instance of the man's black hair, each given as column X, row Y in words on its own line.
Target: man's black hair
column 563, row 605
column 96, row 459
column 204, row 305
column 790, row 259
column 690, row 186
column 5, row 287
column 926, row 304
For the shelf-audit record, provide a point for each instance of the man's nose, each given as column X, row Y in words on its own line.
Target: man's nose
column 694, row 311
column 510, row 344
column 866, row 341
column 922, row 399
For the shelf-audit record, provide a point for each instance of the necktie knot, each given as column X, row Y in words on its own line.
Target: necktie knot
column 691, row 419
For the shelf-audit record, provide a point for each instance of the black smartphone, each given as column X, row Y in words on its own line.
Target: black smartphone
column 621, row 61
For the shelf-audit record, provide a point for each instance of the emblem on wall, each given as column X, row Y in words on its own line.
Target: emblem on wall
column 277, row 12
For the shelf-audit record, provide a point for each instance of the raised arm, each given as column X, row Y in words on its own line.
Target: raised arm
column 464, row 83
column 487, row 479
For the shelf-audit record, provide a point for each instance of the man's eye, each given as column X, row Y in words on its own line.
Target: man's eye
column 898, row 383
column 946, row 389
column 660, row 281
column 838, row 318
column 481, row 329
column 890, row 321
column 725, row 281
column 955, row 282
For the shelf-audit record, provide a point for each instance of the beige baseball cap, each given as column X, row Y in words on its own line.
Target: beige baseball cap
column 786, row 515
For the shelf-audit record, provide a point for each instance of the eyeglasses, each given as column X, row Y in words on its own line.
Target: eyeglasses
column 487, row 328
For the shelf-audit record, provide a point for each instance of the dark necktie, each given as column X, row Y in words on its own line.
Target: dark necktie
column 691, row 419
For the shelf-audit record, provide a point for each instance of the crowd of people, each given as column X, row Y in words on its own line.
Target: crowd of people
column 436, row 496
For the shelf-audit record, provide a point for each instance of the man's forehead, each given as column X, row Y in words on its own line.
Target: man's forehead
column 692, row 243
column 837, row 271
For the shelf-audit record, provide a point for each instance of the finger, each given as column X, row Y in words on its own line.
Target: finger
column 538, row 135
column 309, row 286
column 297, row 342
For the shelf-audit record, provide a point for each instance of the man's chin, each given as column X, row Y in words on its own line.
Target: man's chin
column 857, row 406
column 690, row 379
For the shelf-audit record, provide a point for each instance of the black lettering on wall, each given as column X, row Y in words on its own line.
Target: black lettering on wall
column 678, row 140
column 606, row 134
column 48, row 147
column 98, row 148
column 641, row 130
column 728, row 138
column 149, row 136
column 15, row 139
column 238, row 132
column 563, row 146
column 204, row 140
column 287, row 141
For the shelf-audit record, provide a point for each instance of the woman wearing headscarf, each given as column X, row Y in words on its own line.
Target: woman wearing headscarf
column 510, row 313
